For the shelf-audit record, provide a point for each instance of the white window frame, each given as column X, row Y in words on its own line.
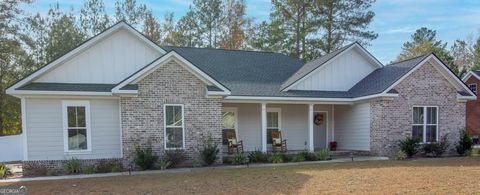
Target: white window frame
column 424, row 124
column 65, row 105
column 235, row 114
column 279, row 111
column 165, row 126
column 473, row 84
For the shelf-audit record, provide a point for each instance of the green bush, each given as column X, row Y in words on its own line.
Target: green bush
column 209, row 150
column 323, row 154
column 116, row 168
column 4, row 171
column 73, row 166
column 175, row 157
column 163, row 164
column 409, row 145
column 239, row 159
column 436, row 149
column 400, row 155
column 144, row 158
column 108, row 166
column 276, row 158
column 90, row 169
column 257, row 156
column 465, row 143
column 468, row 152
column 51, row 173
column 300, row 157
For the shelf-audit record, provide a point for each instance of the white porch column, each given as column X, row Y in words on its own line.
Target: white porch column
column 264, row 127
column 310, row 128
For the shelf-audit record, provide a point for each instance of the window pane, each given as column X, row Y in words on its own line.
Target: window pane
column 173, row 115
column 418, row 115
column 431, row 115
column 81, row 117
column 77, row 139
column 174, row 137
column 269, row 135
column 225, row 132
column 72, row 116
column 417, row 132
column 272, row 119
column 178, row 116
column 168, row 115
column 228, row 120
column 431, row 133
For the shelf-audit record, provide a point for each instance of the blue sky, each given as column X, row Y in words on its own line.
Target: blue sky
column 394, row 22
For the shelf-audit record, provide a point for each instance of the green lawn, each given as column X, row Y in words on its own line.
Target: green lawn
column 418, row 176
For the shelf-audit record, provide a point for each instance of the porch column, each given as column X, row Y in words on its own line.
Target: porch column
column 310, row 128
column 264, row 127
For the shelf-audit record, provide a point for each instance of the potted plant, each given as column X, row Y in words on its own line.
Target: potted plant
column 333, row 145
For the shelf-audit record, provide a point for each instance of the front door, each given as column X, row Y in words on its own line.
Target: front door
column 319, row 130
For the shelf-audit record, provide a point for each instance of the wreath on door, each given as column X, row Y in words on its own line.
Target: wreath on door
column 318, row 120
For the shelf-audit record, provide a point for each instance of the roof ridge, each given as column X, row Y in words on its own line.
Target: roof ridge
column 423, row 55
column 224, row 49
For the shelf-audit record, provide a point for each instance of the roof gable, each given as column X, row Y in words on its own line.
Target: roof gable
column 79, row 50
column 474, row 73
column 336, row 71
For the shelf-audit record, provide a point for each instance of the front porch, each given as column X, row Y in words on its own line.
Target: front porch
column 306, row 127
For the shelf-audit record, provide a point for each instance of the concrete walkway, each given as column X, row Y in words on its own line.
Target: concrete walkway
column 185, row 170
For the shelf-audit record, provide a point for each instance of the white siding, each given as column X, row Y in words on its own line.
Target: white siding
column 45, row 129
column 352, row 127
column 294, row 124
column 14, row 143
column 341, row 74
column 109, row 61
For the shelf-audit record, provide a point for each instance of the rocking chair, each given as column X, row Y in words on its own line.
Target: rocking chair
column 278, row 144
column 233, row 144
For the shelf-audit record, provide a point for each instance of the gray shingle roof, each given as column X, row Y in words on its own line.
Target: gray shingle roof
column 477, row 72
column 312, row 65
column 68, row 87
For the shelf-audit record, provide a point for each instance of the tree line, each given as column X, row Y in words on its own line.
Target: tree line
column 306, row 29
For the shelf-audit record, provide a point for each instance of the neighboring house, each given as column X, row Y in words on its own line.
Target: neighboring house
column 472, row 79
column 119, row 90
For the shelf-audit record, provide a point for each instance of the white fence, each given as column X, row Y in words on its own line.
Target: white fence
column 11, row 148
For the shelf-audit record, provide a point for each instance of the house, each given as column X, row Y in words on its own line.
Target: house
column 119, row 90
column 472, row 79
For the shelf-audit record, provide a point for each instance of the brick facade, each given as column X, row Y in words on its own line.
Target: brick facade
column 391, row 120
column 32, row 168
column 143, row 120
column 473, row 110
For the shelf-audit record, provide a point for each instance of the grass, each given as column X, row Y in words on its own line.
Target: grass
column 419, row 176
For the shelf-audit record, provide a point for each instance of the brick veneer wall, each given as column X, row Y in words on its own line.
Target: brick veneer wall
column 473, row 110
column 142, row 116
column 31, row 168
column 391, row 120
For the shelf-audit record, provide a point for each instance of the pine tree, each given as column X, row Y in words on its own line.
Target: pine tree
column 209, row 16
column 131, row 12
column 152, row 28
column 235, row 25
column 93, row 17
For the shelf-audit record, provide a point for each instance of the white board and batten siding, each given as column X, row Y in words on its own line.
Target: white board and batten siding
column 340, row 74
column 109, row 61
column 11, row 148
column 352, row 126
column 45, row 130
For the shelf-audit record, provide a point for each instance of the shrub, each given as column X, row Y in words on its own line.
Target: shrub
column 144, row 158
column 468, row 152
column 4, row 171
column 51, row 173
column 73, row 166
column 257, row 156
column 323, row 154
column 409, row 145
column 209, row 150
column 300, row 157
column 90, row 169
column 175, row 157
column 465, row 143
column 309, row 156
column 276, row 158
column 108, row 166
column 162, row 164
column 400, row 155
column 436, row 149
column 239, row 159
column 116, row 168
column 34, row 169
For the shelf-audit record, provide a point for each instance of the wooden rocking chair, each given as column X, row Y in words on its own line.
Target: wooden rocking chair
column 233, row 144
column 278, row 144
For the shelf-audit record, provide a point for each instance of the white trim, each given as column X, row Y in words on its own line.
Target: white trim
column 364, row 52
column 121, row 127
column 311, row 147
column 172, row 55
column 24, row 128
column 264, row 126
column 279, row 111
column 165, row 127
column 468, row 75
column 79, row 93
column 235, row 115
column 86, row 104
column 78, row 50
column 326, row 127
column 304, row 99
column 424, row 124
column 333, row 123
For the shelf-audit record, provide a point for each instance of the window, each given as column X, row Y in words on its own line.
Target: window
column 273, row 122
column 473, row 87
column 229, row 123
column 174, row 126
column 425, row 123
column 76, row 122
